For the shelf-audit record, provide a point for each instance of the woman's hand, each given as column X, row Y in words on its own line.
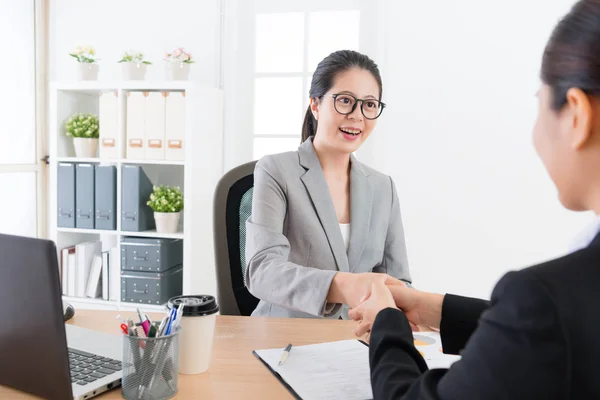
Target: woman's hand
column 352, row 289
column 380, row 298
column 421, row 309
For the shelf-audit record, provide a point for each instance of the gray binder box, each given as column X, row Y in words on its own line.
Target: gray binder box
column 151, row 287
column 65, row 175
column 150, row 254
column 84, row 196
column 136, row 188
column 106, row 197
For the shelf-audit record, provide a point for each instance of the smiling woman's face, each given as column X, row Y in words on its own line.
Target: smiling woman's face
column 345, row 133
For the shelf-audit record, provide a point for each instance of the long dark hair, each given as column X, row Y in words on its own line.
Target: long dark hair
column 327, row 70
column 572, row 56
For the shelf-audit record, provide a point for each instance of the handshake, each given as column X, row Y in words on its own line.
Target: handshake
column 381, row 291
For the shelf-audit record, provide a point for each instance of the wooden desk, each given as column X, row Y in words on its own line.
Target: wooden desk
column 234, row 372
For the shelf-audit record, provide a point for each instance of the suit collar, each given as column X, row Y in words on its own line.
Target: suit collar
column 308, row 158
column 307, row 155
column 361, row 202
column 596, row 240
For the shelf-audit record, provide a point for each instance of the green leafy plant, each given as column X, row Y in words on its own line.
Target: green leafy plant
column 133, row 56
column 166, row 199
column 84, row 54
column 83, row 125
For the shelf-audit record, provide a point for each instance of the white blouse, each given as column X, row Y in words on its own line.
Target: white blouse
column 345, row 228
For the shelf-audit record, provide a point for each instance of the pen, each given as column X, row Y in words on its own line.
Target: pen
column 179, row 315
column 172, row 316
column 135, row 347
column 285, row 354
column 131, row 327
column 147, row 377
column 152, row 331
column 163, row 363
column 148, row 366
column 161, row 327
column 140, row 315
column 145, row 323
column 166, row 373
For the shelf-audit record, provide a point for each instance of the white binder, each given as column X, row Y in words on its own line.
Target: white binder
column 85, row 253
column 155, row 125
column 114, row 265
column 175, row 126
column 136, row 116
column 108, row 119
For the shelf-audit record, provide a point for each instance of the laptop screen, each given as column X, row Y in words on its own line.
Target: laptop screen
column 33, row 343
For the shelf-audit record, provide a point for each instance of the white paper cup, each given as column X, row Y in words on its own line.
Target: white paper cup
column 197, row 332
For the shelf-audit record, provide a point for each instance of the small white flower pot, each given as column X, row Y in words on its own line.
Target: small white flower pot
column 133, row 71
column 167, row 222
column 178, row 71
column 85, row 148
column 87, row 71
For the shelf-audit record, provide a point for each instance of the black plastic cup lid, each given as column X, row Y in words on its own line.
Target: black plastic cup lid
column 195, row 305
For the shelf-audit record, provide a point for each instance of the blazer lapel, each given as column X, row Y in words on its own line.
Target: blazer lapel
column 361, row 203
column 314, row 181
column 596, row 240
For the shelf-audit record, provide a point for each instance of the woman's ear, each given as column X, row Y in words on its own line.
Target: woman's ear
column 580, row 109
column 314, row 107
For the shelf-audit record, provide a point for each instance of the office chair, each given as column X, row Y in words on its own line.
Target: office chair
column 232, row 207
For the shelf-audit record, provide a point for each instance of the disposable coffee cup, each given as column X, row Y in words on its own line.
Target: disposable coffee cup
column 197, row 331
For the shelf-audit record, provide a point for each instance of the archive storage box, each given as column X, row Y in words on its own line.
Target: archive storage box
column 151, row 287
column 150, row 254
column 151, row 269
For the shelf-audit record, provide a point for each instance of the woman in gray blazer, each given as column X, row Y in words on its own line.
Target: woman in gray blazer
column 323, row 225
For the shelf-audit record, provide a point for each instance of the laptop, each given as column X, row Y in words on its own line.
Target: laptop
column 40, row 353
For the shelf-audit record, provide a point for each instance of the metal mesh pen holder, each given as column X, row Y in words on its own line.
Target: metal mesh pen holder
column 150, row 367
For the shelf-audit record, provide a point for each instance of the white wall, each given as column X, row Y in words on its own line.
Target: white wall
column 460, row 79
column 149, row 26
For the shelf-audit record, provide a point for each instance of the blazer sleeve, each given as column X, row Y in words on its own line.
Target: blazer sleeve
column 460, row 316
column 269, row 275
column 395, row 260
column 517, row 352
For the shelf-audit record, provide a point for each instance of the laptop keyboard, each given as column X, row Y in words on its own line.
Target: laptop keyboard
column 87, row 367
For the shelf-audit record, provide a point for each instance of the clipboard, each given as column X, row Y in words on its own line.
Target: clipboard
column 286, row 384
column 279, row 378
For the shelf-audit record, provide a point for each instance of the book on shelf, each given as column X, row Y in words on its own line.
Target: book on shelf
column 85, row 253
column 114, row 285
column 67, row 261
column 94, row 284
column 105, row 274
column 89, row 272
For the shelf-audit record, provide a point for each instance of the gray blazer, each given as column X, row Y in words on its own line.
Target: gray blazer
column 294, row 244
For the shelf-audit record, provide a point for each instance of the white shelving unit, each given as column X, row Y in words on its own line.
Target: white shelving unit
column 197, row 175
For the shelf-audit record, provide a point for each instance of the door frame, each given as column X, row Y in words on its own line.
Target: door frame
column 39, row 167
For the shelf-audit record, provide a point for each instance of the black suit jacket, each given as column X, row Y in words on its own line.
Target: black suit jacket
column 538, row 338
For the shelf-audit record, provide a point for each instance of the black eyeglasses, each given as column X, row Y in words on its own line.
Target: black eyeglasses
column 345, row 104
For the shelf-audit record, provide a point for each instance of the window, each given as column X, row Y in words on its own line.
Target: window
column 288, row 48
column 22, row 207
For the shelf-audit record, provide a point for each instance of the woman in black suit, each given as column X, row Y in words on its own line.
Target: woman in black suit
column 539, row 336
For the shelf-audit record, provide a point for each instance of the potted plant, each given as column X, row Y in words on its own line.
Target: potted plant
column 84, row 129
column 178, row 64
column 87, row 67
column 167, row 203
column 133, row 65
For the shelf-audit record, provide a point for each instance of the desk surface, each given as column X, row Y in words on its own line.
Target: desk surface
column 234, row 372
